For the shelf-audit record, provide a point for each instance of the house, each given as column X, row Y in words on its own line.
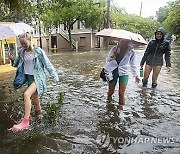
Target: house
column 58, row 39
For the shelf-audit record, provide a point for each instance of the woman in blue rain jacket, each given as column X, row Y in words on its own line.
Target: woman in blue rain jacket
column 34, row 61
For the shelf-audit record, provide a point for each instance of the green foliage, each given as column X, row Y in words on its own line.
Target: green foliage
column 172, row 23
column 103, row 2
column 51, row 109
column 92, row 14
column 26, row 14
column 143, row 26
column 94, row 17
column 162, row 14
column 32, row 136
column 169, row 17
column 51, row 112
column 60, row 98
column 13, row 5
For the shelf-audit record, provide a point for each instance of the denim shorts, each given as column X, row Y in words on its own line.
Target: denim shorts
column 122, row 79
column 30, row 79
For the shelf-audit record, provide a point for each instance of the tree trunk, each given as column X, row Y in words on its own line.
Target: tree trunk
column 70, row 38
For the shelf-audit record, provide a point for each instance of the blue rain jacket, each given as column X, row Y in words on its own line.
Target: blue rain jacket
column 40, row 63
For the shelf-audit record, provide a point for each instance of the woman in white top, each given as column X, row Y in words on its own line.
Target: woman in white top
column 35, row 62
column 117, row 63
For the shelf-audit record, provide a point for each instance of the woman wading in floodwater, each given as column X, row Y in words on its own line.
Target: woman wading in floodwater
column 117, row 64
column 153, row 57
column 35, row 61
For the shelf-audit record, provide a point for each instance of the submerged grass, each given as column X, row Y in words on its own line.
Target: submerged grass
column 51, row 109
column 29, row 138
column 20, row 140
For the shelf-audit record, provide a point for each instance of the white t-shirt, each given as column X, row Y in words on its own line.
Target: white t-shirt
column 28, row 62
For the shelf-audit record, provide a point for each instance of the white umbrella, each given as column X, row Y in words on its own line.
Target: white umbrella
column 11, row 30
column 118, row 34
column 2, row 26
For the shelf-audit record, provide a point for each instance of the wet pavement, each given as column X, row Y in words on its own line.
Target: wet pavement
column 148, row 124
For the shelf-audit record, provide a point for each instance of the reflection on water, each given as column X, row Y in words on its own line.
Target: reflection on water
column 86, row 123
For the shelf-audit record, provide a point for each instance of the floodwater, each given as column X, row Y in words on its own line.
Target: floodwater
column 148, row 124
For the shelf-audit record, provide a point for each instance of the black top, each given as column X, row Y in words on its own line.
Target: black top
column 153, row 55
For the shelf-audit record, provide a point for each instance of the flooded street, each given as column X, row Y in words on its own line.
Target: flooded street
column 148, row 124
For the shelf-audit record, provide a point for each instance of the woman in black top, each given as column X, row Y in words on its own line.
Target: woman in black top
column 153, row 57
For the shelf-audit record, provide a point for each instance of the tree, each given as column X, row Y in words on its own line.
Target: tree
column 13, row 5
column 172, row 23
column 162, row 14
column 95, row 17
column 25, row 14
column 143, row 26
column 70, row 11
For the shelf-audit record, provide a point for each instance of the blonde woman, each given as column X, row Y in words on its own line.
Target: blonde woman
column 35, row 62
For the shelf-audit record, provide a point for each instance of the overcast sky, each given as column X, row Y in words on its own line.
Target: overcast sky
column 149, row 7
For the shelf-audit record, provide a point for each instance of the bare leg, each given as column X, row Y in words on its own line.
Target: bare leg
column 147, row 72
column 27, row 99
column 122, row 89
column 36, row 101
column 110, row 91
column 156, row 71
column 27, row 102
column 37, row 105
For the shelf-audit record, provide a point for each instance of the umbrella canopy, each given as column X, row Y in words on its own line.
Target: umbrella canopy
column 118, row 34
column 10, row 30
column 2, row 26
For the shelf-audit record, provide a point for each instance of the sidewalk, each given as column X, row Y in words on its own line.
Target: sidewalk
column 6, row 68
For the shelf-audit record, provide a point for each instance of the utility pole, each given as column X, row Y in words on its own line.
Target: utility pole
column 39, row 22
column 106, row 25
column 140, row 10
column 108, row 11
